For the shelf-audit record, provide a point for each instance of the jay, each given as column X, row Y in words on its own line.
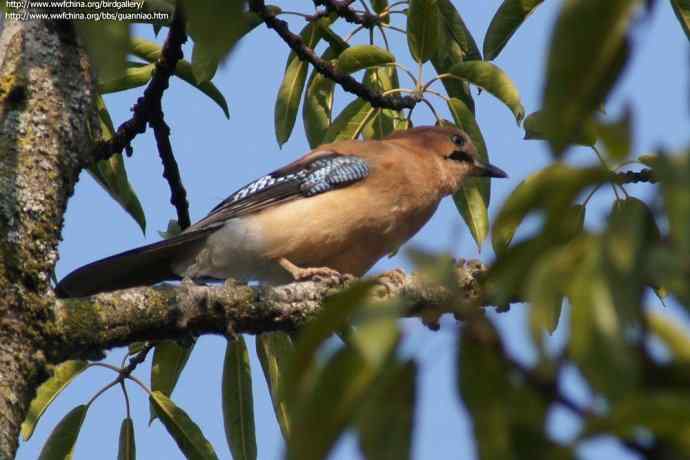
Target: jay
column 338, row 209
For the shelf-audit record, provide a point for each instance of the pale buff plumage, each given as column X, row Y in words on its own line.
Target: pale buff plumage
column 347, row 229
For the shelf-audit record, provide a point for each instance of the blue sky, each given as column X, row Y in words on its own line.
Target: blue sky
column 216, row 156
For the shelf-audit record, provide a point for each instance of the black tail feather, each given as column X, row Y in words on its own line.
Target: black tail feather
column 141, row 266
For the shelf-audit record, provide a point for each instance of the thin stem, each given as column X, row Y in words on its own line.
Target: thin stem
column 294, row 13
column 352, row 34
column 420, row 73
column 603, row 162
column 105, row 365
column 397, row 29
column 409, row 116
column 437, row 94
column 139, row 382
column 433, row 110
column 443, row 76
column 366, row 7
column 126, row 395
column 591, row 194
column 399, row 90
column 404, row 69
column 385, row 38
column 101, row 391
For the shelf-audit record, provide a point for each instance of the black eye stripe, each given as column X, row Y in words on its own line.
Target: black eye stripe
column 459, row 155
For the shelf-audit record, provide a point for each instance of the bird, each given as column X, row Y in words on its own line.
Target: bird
column 336, row 210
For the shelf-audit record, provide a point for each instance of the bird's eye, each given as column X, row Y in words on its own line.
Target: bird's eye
column 459, row 155
column 458, row 140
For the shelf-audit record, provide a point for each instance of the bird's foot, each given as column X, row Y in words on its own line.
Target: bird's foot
column 315, row 273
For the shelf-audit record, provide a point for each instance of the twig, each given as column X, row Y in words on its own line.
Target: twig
column 349, row 84
column 633, row 177
column 148, row 109
column 165, row 66
column 178, row 194
column 342, row 9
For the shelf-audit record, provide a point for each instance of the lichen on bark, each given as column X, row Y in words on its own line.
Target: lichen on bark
column 46, row 108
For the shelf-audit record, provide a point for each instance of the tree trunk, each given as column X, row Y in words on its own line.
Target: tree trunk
column 46, row 113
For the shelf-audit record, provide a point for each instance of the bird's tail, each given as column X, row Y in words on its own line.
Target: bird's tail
column 141, row 266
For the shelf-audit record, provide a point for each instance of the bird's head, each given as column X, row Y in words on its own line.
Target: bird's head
column 456, row 154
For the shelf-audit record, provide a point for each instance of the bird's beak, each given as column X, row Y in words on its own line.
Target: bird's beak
column 489, row 170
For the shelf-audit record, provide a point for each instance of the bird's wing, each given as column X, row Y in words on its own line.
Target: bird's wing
column 315, row 173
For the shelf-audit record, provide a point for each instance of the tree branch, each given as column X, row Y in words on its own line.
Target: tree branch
column 633, row 177
column 148, row 110
column 46, row 113
column 86, row 326
column 349, row 84
column 342, row 9
column 165, row 67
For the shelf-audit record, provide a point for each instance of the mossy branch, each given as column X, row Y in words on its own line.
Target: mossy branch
column 87, row 326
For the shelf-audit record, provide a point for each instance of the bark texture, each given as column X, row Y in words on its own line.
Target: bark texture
column 83, row 328
column 46, row 111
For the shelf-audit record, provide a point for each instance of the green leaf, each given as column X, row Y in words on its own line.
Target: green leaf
column 472, row 200
column 292, row 86
column 215, row 28
column 553, row 190
column 387, row 418
column 507, row 414
column 238, row 404
column 673, row 336
column 547, row 279
column 63, row 374
column 350, row 122
column 184, row 431
column 597, row 326
column 335, row 41
column 631, row 232
column 60, row 443
column 663, row 414
column 458, row 46
column 318, row 103
column 682, row 10
column 136, row 75
column 574, row 91
column 360, row 57
column 329, row 406
column 112, row 175
column 106, row 43
column 423, row 29
column 127, row 448
column 668, row 268
column 537, row 127
column 335, row 316
column 383, row 121
column 456, row 31
column 443, row 61
column 674, row 175
column 377, row 334
column 617, row 135
column 275, row 351
column 509, row 17
column 150, row 52
column 169, row 359
column 490, row 77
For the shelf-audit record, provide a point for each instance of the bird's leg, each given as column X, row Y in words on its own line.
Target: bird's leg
column 301, row 274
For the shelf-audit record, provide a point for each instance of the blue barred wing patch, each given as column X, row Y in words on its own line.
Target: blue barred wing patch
column 319, row 176
column 298, row 180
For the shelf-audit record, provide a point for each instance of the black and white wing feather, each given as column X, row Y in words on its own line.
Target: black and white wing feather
column 301, row 179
